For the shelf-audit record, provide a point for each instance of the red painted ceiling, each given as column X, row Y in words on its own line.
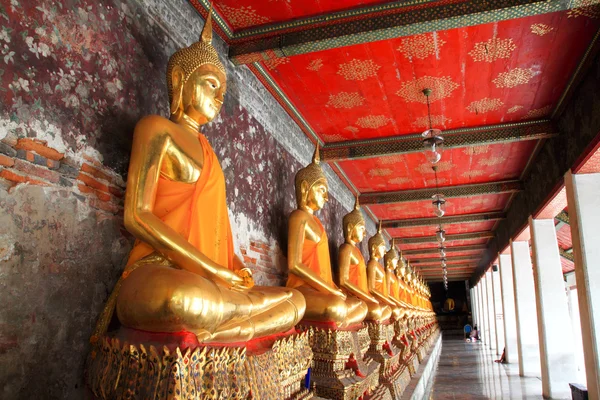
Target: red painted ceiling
column 480, row 75
column 496, row 73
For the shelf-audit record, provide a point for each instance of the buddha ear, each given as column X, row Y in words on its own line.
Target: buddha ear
column 177, row 84
column 304, row 188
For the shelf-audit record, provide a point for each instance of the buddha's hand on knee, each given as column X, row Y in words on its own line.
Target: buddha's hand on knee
column 247, row 279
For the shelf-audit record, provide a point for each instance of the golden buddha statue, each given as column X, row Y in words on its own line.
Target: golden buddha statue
column 376, row 275
column 352, row 267
column 390, row 260
column 182, row 273
column 308, row 255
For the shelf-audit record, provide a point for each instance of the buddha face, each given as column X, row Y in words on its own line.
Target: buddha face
column 392, row 263
column 316, row 195
column 379, row 250
column 203, row 93
column 357, row 233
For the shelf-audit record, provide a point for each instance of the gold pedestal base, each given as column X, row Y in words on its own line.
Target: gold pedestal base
column 124, row 371
column 331, row 351
column 392, row 375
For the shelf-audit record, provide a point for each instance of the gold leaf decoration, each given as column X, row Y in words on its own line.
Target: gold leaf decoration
column 315, row 65
column 420, row 46
column 393, row 159
column 484, row 105
column 441, row 87
column 476, row 150
column 352, row 129
column 345, row 100
column 401, row 180
column 275, row 62
column 514, row 77
column 585, row 8
column 538, row 112
column 436, row 120
column 372, row 121
column 442, row 166
column 433, row 182
column 335, row 137
column 358, row 70
column 242, row 17
column 514, row 109
column 491, row 161
column 492, row 49
column 541, row 29
column 473, row 173
column 379, row 172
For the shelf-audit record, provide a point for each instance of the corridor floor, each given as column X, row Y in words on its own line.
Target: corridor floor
column 468, row 371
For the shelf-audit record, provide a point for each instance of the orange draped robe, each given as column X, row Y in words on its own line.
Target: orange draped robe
column 394, row 285
column 316, row 257
column 381, row 284
column 358, row 272
column 197, row 211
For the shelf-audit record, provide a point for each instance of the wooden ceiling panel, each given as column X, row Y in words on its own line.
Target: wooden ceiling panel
column 430, row 245
column 418, row 231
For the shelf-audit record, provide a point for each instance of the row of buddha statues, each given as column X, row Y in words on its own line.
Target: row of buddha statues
column 182, row 275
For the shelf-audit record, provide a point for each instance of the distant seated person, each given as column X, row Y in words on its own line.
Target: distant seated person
column 474, row 334
column 468, row 329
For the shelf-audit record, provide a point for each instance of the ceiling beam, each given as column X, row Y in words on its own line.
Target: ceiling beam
column 374, row 23
column 449, row 238
column 450, row 192
column 448, row 267
column 434, row 261
column 435, row 250
column 455, row 219
column 453, row 139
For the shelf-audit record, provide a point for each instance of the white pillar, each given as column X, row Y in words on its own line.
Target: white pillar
column 478, row 305
column 484, row 315
column 584, row 218
column 480, row 310
column 555, row 332
column 527, row 323
column 491, row 312
column 511, row 352
column 473, row 309
column 498, row 317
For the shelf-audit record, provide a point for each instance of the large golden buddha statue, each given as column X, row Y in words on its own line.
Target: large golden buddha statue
column 182, row 274
column 352, row 267
column 308, row 255
column 376, row 275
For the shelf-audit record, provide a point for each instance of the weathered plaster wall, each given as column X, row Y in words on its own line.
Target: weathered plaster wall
column 76, row 76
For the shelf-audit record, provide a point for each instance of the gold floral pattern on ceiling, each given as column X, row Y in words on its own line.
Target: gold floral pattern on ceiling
column 358, row 70
column 401, row 180
column 393, row 159
column 473, row 173
column 242, row 17
column 441, row 87
column 275, row 62
column 420, row 46
column 514, row 109
column 372, row 121
column 315, row 65
column 441, row 166
column 433, row 182
column 492, row 49
column 541, row 29
column 538, row 112
column 585, row 8
column 351, row 128
column 333, row 137
column 514, row 77
column 379, row 172
column 436, row 120
column 476, row 150
column 345, row 100
column 484, row 105
column 491, row 161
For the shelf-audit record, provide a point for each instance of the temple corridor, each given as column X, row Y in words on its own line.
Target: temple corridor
column 468, row 371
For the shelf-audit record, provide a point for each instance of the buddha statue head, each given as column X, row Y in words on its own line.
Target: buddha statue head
column 401, row 271
column 312, row 191
column 408, row 275
column 391, row 258
column 196, row 80
column 377, row 244
column 354, row 225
